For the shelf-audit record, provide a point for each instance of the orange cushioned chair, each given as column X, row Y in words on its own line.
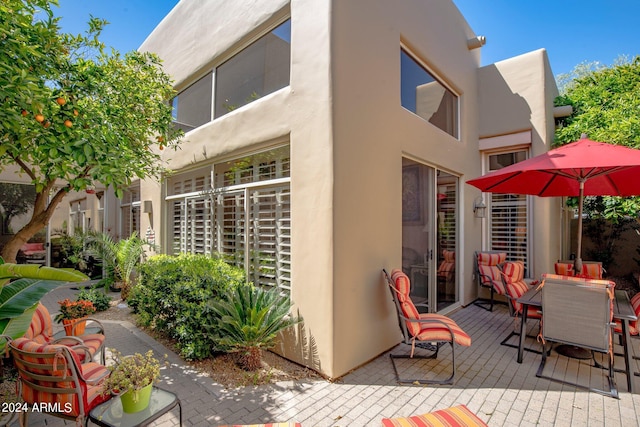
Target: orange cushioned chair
column 590, row 269
column 456, row 416
column 487, row 266
column 515, row 287
column 41, row 331
column 52, row 377
column 422, row 329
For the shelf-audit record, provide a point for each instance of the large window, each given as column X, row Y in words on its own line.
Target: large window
column 192, row 106
column 261, row 68
column 244, row 215
column 509, row 214
column 424, row 95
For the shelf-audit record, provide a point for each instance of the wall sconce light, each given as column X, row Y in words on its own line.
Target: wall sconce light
column 479, row 208
column 147, row 207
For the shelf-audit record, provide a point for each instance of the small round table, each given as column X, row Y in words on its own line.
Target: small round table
column 110, row 413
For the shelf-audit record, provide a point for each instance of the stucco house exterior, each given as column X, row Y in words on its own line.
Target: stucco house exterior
column 328, row 139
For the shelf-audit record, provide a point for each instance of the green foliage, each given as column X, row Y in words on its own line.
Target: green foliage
column 120, row 258
column 131, row 373
column 19, row 299
column 74, row 112
column 606, row 103
column 248, row 319
column 172, row 293
column 97, row 296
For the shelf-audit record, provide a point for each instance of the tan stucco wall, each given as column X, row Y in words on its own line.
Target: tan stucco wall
column 348, row 134
column 372, row 133
column 517, row 94
column 299, row 114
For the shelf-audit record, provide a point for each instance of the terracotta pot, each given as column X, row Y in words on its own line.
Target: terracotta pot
column 74, row 326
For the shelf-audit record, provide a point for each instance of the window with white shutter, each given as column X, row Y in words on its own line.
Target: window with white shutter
column 245, row 217
column 509, row 215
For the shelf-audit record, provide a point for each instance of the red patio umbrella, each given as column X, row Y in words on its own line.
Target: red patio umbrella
column 581, row 168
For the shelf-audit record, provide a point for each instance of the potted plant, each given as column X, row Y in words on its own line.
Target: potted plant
column 132, row 378
column 73, row 315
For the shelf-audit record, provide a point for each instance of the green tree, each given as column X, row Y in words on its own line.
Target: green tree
column 605, row 105
column 15, row 200
column 75, row 113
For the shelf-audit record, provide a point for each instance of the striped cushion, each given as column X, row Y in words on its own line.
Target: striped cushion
column 564, row 268
column 41, row 328
column 456, row 416
column 515, row 290
column 435, row 331
column 592, row 270
column 41, row 331
column 91, row 394
column 490, row 272
column 513, row 271
column 403, row 287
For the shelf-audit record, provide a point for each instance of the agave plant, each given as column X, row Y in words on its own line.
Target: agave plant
column 247, row 319
column 19, row 299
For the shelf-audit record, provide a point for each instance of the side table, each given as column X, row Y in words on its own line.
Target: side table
column 110, row 413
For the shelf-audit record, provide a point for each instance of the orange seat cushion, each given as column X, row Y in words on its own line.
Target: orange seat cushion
column 456, row 416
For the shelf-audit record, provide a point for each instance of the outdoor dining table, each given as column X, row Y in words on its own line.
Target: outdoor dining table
column 622, row 310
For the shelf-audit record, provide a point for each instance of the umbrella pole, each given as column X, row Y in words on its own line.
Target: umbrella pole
column 578, row 262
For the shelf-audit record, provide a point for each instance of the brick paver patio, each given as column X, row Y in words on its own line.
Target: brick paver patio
column 488, row 380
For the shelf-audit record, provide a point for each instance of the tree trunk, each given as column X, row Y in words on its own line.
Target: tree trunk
column 39, row 219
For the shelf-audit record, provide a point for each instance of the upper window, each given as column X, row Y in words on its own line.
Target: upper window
column 192, row 106
column 260, row 69
column 424, row 95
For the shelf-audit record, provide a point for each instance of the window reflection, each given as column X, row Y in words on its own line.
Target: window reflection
column 425, row 96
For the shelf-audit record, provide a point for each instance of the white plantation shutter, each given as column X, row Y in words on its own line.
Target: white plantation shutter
column 247, row 220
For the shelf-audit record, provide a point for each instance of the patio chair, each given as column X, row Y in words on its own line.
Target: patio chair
column 41, row 331
column 428, row 331
column 486, row 269
column 579, row 312
column 590, row 269
column 515, row 286
column 52, row 377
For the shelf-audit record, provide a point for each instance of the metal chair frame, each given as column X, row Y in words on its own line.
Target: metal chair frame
column 485, row 303
column 408, row 340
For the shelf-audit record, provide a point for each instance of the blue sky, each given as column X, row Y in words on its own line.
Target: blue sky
column 572, row 31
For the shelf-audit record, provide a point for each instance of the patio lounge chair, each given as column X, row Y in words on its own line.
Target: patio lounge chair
column 428, row 331
column 634, row 326
column 486, row 269
column 515, row 286
column 41, row 331
column 52, row 377
column 579, row 312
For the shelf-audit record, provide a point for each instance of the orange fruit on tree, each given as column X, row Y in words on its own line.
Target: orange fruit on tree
column 39, row 118
column 61, row 101
column 75, row 113
column 24, row 113
column 68, row 123
column 46, row 124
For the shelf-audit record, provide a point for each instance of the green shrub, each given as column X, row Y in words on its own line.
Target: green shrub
column 97, row 296
column 172, row 294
